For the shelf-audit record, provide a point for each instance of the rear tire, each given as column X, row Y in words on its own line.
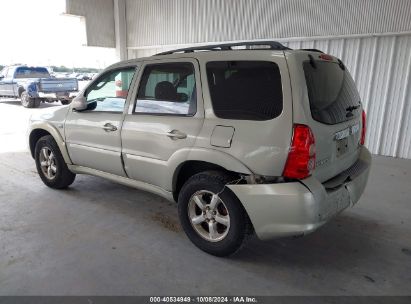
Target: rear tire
column 221, row 226
column 29, row 102
column 50, row 164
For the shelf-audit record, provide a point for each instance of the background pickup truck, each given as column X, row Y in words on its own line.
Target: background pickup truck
column 34, row 85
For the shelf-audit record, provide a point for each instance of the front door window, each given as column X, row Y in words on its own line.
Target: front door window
column 109, row 93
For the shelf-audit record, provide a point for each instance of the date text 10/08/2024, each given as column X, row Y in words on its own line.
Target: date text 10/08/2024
column 238, row 299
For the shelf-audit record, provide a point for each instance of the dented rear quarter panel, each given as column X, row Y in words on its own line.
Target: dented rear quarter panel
column 262, row 146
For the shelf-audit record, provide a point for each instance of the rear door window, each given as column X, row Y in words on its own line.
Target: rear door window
column 245, row 90
column 332, row 92
column 4, row 72
column 10, row 72
column 167, row 89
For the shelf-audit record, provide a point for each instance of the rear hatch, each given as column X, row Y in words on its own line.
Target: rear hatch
column 52, row 85
column 329, row 103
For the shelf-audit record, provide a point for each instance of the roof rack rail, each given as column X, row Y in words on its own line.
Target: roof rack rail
column 273, row 45
column 313, row 50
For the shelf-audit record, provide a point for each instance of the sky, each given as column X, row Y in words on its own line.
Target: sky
column 36, row 32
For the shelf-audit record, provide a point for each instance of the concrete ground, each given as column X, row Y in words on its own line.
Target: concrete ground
column 100, row 238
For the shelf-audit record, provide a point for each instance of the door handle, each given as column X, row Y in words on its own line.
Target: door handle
column 176, row 134
column 108, row 127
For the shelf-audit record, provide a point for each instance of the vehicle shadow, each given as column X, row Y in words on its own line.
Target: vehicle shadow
column 341, row 243
column 344, row 243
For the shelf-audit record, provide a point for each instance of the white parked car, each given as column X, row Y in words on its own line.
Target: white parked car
column 266, row 140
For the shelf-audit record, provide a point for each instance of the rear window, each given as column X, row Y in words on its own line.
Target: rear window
column 332, row 92
column 27, row 72
column 245, row 90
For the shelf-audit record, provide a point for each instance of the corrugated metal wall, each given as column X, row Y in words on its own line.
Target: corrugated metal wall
column 373, row 37
column 380, row 63
column 162, row 22
column 381, row 68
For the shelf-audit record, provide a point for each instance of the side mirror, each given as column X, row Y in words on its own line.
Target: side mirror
column 79, row 103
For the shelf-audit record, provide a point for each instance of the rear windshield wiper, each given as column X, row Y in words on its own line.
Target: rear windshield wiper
column 352, row 108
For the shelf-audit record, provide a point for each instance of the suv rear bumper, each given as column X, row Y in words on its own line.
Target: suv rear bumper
column 298, row 208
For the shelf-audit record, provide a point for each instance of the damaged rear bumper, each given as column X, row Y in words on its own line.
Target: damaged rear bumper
column 298, row 208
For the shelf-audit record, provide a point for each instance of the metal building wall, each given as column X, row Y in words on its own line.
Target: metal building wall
column 373, row 38
column 163, row 22
column 381, row 68
column 99, row 19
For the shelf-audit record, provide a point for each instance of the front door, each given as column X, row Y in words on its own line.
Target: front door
column 164, row 121
column 93, row 136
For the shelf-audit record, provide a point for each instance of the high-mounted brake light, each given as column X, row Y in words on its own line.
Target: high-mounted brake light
column 301, row 157
column 326, row 57
column 364, row 127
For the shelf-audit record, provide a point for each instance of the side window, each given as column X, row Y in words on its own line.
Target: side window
column 110, row 91
column 167, row 88
column 4, row 72
column 10, row 73
column 247, row 90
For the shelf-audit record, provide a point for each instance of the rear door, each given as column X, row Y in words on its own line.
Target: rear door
column 164, row 120
column 327, row 100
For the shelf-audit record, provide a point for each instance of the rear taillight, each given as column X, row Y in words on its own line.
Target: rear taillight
column 364, row 128
column 301, row 157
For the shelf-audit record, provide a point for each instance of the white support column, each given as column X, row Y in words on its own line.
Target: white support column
column 120, row 28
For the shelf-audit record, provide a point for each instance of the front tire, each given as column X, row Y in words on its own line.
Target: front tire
column 50, row 164
column 29, row 102
column 65, row 102
column 211, row 215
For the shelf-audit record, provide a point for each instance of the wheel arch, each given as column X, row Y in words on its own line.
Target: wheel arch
column 42, row 129
column 20, row 90
column 191, row 167
column 35, row 135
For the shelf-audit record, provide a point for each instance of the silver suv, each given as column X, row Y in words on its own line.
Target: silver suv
column 247, row 137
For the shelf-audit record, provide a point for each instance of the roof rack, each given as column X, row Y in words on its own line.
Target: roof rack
column 273, row 45
column 313, row 50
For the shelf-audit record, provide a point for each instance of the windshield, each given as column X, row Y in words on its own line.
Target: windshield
column 27, row 72
column 332, row 92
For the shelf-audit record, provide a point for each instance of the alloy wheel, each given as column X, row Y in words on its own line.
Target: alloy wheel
column 24, row 100
column 48, row 163
column 209, row 215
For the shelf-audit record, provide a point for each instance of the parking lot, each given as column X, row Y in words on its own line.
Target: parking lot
column 100, row 238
